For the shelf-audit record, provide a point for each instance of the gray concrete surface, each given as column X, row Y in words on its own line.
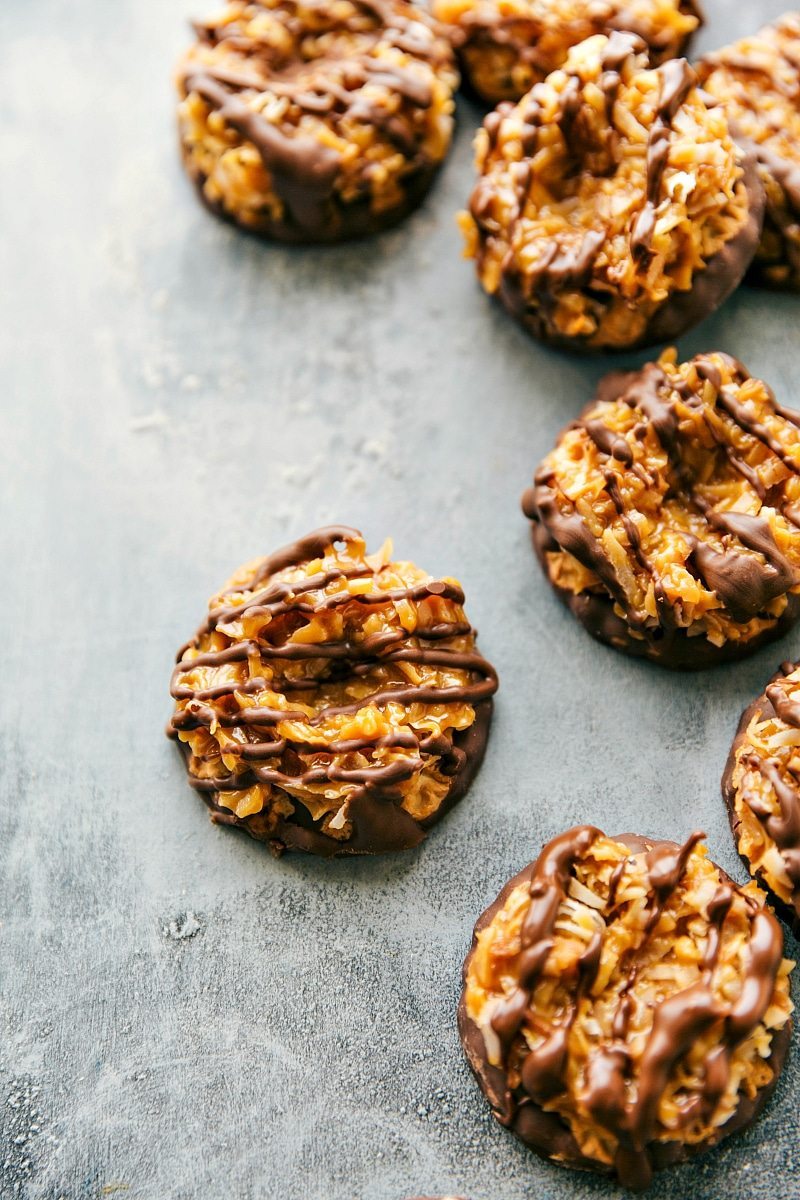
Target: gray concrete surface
column 181, row 1017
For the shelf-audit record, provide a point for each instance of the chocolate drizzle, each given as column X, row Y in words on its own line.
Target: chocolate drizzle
column 607, row 441
column 622, row 1093
column 742, row 564
column 570, row 264
column 547, row 890
column 676, row 80
column 302, row 169
column 743, row 583
column 266, row 757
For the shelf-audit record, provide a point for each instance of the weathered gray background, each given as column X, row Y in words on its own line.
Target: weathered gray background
column 180, row 1015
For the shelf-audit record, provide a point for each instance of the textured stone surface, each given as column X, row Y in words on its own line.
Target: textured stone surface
column 181, row 1017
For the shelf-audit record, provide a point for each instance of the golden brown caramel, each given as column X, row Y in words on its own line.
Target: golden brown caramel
column 761, row 787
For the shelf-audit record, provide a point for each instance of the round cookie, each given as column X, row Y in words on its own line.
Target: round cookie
column 613, row 207
column 316, row 124
column 506, row 46
column 667, row 518
column 758, row 81
column 333, row 701
column 625, row 1004
column 761, row 788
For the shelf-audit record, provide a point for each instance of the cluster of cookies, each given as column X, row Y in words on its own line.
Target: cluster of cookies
column 619, row 202
column 625, row 1004
column 622, row 194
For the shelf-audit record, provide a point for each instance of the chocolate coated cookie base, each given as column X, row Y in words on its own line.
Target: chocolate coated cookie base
column 380, row 825
column 674, row 649
column 346, row 222
column 710, row 288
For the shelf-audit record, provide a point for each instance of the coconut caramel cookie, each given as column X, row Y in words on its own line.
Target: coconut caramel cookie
column 613, row 207
column 668, row 516
column 506, row 46
column 333, row 701
column 625, row 1004
column 761, row 787
column 314, row 123
column 758, row 81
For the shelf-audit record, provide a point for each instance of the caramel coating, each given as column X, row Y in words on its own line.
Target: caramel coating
column 758, row 81
column 506, row 46
column 761, row 786
column 613, row 207
column 316, row 123
column 625, row 1005
column 333, row 701
column 668, row 516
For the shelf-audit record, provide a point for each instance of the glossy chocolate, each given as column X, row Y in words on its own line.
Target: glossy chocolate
column 630, row 1115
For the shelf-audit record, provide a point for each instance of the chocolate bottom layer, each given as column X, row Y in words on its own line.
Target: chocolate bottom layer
column 546, row 1133
column 673, row 648
column 344, row 222
column 380, row 825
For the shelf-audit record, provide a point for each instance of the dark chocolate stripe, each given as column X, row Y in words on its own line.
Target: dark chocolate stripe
column 678, row 1021
column 303, row 170
column 676, row 80
column 735, row 409
column 788, row 710
column 783, row 829
column 607, row 440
